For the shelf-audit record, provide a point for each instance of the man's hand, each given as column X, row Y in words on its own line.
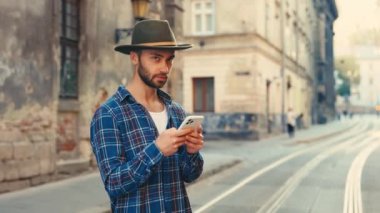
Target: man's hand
column 170, row 140
column 194, row 141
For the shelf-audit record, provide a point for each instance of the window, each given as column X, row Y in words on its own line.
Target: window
column 322, row 37
column 320, row 77
column 203, row 17
column 203, row 94
column 69, row 48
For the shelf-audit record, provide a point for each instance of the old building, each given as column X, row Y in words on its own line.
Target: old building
column 57, row 65
column 368, row 93
column 324, row 101
column 252, row 61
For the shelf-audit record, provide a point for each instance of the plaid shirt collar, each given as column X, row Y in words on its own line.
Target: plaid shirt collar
column 123, row 94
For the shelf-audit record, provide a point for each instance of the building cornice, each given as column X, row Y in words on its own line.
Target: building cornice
column 290, row 63
column 176, row 6
column 333, row 8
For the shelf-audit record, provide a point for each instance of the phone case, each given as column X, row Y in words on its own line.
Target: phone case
column 191, row 121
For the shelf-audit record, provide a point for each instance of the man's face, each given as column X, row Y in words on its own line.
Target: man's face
column 154, row 66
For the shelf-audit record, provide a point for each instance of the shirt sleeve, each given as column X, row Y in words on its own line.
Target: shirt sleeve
column 119, row 176
column 192, row 166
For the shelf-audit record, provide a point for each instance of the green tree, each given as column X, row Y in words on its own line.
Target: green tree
column 344, row 89
column 348, row 72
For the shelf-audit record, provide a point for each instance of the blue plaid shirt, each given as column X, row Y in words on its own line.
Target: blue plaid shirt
column 136, row 175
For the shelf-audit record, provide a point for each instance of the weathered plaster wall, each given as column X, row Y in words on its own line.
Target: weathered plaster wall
column 27, row 100
column 101, row 68
column 26, row 71
column 39, row 130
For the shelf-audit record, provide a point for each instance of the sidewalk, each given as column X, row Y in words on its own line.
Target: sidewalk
column 85, row 194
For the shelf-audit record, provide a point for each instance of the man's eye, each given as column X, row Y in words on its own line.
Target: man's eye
column 156, row 58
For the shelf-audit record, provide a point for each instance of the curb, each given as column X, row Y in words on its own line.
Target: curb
column 310, row 140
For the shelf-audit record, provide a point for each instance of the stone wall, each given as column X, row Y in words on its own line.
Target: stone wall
column 27, row 151
column 28, row 94
column 67, row 135
column 41, row 134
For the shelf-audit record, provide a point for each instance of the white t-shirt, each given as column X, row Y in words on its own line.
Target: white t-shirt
column 291, row 118
column 160, row 120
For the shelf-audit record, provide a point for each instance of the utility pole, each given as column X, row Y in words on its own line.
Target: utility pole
column 283, row 80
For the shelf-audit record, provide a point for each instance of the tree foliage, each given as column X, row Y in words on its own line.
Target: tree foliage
column 348, row 69
column 344, row 89
column 348, row 72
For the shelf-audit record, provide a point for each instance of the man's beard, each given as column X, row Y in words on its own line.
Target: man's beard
column 144, row 75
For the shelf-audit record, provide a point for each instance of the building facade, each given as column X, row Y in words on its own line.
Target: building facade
column 368, row 91
column 57, row 65
column 250, row 63
column 324, row 101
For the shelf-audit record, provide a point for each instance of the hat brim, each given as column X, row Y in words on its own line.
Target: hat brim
column 126, row 49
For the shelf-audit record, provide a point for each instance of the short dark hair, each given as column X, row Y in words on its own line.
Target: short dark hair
column 138, row 52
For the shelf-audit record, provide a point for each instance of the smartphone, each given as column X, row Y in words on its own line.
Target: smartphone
column 192, row 121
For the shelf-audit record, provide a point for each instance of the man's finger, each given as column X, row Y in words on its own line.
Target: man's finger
column 194, row 140
column 194, row 145
column 183, row 132
column 180, row 140
column 199, row 129
column 196, row 135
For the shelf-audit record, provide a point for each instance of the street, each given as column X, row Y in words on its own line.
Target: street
column 333, row 173
column 326, row 168
column 89, row 85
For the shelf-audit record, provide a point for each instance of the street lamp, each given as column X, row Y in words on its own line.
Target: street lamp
column 139, row 9
column 268, row 98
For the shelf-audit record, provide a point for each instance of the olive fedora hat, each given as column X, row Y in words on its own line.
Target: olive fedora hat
column 152, row 34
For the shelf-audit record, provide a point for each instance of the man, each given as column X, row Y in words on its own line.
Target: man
column 291, row 123
column 143, row 159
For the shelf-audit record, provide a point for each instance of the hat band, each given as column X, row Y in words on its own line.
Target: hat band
column 162, row 43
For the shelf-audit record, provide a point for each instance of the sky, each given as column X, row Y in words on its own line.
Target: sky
column 353, row 16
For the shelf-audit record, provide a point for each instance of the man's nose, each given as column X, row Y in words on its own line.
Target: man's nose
column 165, row 67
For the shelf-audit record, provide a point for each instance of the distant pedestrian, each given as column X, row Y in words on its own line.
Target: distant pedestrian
column 144, row 161
column 299, row 121
column 291, row 122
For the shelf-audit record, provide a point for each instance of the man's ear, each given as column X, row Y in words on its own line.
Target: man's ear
column 134, row 58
